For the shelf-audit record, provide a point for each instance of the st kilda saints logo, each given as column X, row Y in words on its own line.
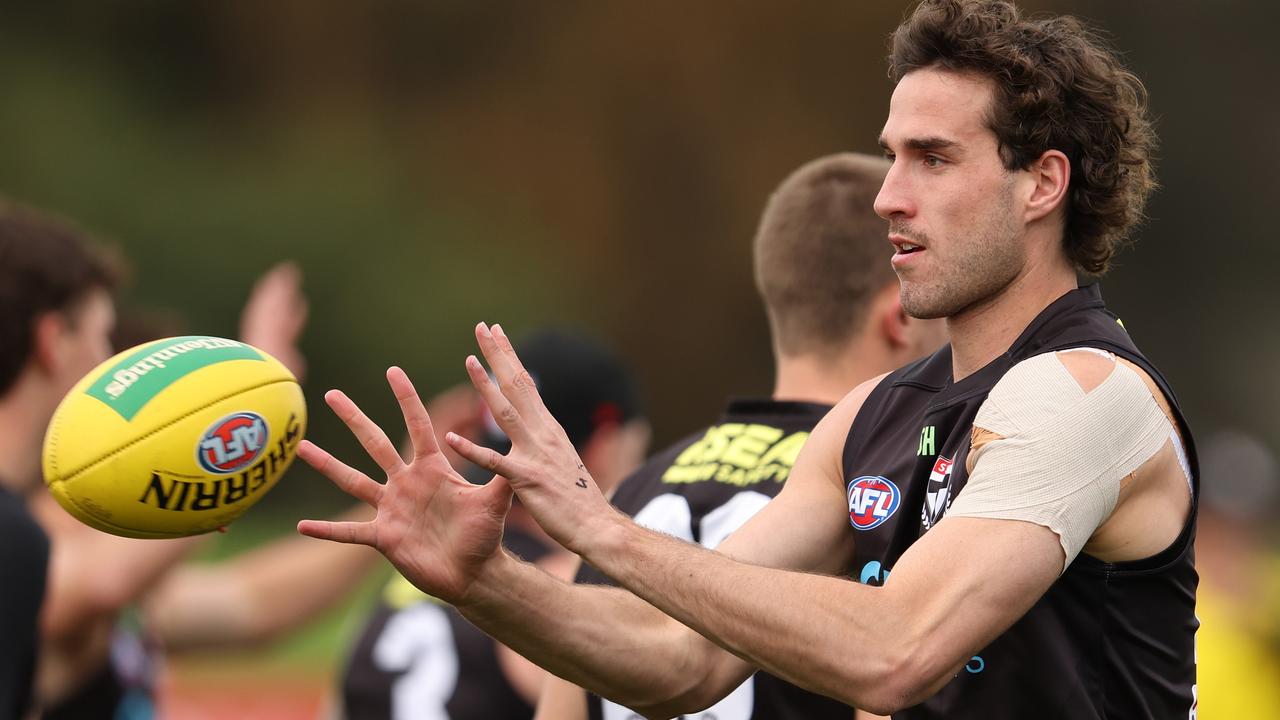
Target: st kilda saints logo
column 938, row 494
column 233, row 443
column 872, row 500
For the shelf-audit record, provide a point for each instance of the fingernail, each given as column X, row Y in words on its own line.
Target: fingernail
column 497, row 328
column 451, row 437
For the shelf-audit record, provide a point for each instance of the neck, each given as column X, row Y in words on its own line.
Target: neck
column 984, row 331
column 22, row 424
column 826, row 379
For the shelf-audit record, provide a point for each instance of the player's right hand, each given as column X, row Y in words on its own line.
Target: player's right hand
column 543, row 466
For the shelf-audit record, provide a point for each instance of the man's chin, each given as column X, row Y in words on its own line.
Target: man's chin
column 923, row 308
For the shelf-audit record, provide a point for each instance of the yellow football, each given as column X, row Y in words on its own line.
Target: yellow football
column 174, row 437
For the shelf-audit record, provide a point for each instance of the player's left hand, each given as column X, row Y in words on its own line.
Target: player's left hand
column 543, row 467
column 436, row 528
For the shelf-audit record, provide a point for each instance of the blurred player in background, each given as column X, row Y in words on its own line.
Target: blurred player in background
column 1238, row 645
column 417, row 657
column 836, row 321
column 56, row 316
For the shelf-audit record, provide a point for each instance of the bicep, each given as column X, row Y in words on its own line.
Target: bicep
column 810, row 511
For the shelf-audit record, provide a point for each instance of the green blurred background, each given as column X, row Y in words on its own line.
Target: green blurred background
column 600, row 164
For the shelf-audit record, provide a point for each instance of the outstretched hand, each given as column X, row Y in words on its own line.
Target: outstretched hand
column 543, row 467
column 275, row 314
column 435, row 527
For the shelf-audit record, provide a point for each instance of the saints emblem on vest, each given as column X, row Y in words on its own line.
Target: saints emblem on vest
column 938, row 493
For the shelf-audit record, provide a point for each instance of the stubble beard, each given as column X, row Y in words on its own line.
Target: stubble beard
column 985, row 264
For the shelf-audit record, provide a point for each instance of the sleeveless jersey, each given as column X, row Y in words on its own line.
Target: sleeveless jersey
column 702, row 489
column 123, row 688
column 24, row 563
column 1108, row 640
column 419, row 658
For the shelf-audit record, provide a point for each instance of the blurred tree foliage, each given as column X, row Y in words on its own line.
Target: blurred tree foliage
column 594, row 164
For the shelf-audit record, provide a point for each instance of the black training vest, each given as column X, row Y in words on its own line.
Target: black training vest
column 701, row 489
column 1108, row 640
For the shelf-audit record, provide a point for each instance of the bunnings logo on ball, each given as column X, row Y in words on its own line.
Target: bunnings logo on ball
column 127, row 386
column 233, row 443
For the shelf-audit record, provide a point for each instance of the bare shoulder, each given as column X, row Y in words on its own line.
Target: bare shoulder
column 1089, row 367
column 823, row 452
column 847, row 409
column 810, row 511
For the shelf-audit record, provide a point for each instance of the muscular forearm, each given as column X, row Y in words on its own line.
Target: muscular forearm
column 600, row 638
column 823, row 633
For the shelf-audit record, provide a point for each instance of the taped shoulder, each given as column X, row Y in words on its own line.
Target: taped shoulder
column 1059, row 432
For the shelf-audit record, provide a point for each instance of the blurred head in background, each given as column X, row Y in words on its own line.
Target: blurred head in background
column 56, row 316
column 1238, row 600
column 822, row 268
column 1241, row 490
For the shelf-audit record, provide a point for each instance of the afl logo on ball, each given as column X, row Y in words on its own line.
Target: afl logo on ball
column 872, row 500
column 233, row 443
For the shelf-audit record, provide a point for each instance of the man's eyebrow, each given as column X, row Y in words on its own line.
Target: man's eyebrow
column 923, row 143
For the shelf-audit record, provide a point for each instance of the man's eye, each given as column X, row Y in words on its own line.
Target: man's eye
column 932, row 161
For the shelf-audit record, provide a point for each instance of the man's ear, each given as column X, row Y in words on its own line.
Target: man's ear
column 1051, row 175
column 890, row 317
column 47, row 334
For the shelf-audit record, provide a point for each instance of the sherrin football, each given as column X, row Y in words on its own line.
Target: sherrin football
column 174, row 437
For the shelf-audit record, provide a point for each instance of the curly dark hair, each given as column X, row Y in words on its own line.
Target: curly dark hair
column 1057, row 86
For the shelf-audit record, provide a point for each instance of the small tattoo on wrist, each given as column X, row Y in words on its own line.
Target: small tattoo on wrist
column 582, row 482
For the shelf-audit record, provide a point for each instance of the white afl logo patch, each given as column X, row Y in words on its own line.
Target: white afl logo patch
column 233, row 443
column 872, row 500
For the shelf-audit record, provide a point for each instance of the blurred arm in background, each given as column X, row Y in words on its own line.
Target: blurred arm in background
column 253, row 597
column 275, row 315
